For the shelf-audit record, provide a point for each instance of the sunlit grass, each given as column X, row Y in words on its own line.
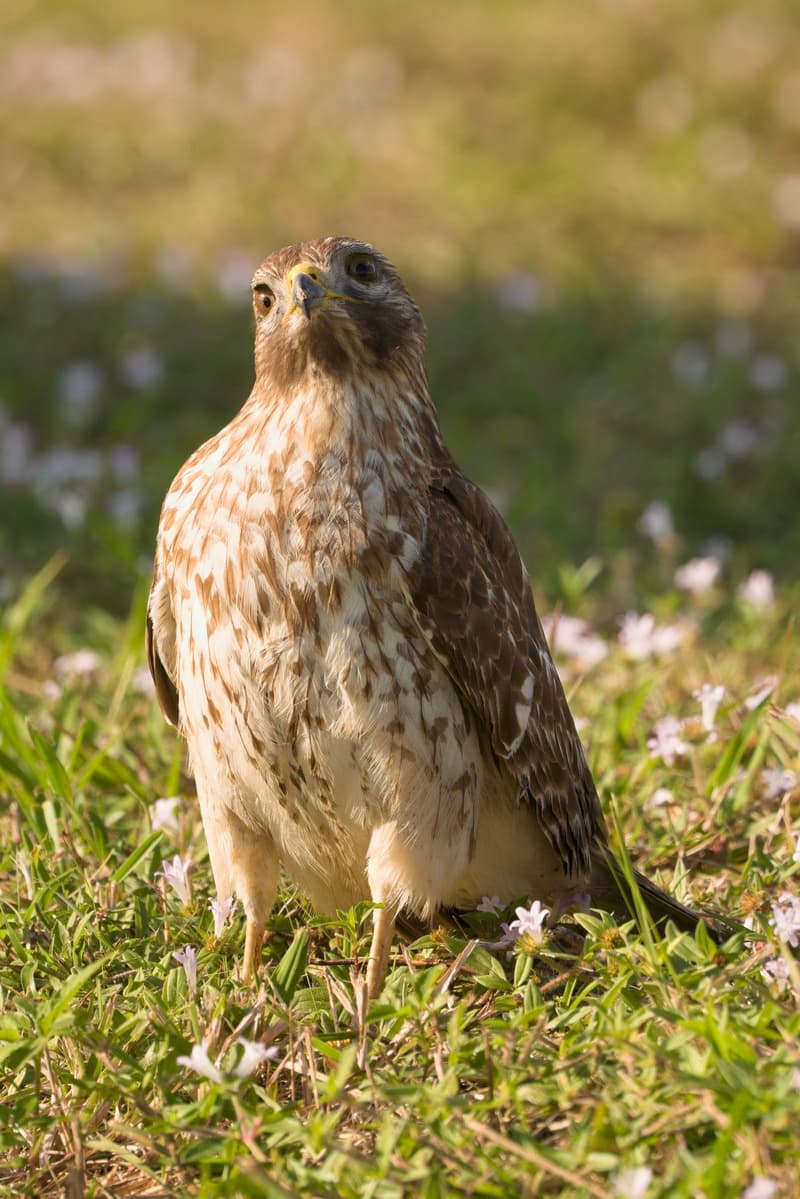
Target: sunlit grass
column 545, row 1072
column 597, row 206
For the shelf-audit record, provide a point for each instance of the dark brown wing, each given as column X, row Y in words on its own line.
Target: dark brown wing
column 474, row 598
column 161, row 650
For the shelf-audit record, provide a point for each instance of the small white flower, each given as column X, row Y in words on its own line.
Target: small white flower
column 710, row 698
column 768, row 372
column 491, row 904
column 164, row 816
column 739, row 439
column 253, row 1054
column 776, row 781
column 573, row 637
column 667, row 637
column 141, row 368
column 660, row 797
column 199, row 1061
column 776, row 971
column 142, row 681
column 79, row 388
column 764, row 688
column 222, row 910
column 758, row 590
column 508, row 938
column 710, row 463
column 786, row 919
column 125, row 506
column 125, row 463
column 690, row 363
column 530, row 922
column 188, row 959
column 519, row 293
column 70, row 506
column 633, row 1182
column 793, row 710
column 666, row 742
column 697, row 575
column 796, row 854
column 82, row 664
column 176, row 874
column 640, row 636
column 761, row 1188
column 233, row 274
column 656, row 522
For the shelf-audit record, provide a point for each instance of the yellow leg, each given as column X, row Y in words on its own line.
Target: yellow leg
column 382, row 933
column 252, row 950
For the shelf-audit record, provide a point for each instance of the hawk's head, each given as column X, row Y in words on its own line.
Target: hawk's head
column 333, row 305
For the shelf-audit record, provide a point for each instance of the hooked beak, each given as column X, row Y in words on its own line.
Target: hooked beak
column 308, row 291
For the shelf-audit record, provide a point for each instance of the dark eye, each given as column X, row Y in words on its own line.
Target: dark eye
column 264, row 297
column 362, row 268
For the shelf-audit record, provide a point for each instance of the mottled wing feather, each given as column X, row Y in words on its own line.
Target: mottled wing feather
column 476, row 608
column 160, row 645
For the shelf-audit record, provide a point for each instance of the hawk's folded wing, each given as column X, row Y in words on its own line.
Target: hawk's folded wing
column 161, row 650
column 476, row 608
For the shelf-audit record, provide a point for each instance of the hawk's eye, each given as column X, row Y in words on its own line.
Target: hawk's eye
column 264, row 295
column 362, row 268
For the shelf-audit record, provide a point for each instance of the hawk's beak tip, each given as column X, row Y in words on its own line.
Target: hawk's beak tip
column 307, row 293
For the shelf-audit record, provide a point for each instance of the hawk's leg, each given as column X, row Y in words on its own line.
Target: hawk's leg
column 245, row 864
column 387, row 868
column 382, row 933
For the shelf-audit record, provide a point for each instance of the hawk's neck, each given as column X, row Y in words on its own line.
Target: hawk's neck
column 355, row 419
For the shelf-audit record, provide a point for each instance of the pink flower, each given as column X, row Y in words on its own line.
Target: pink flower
column 573, row 637
column 199, row 1061
column 222, row 910
column 641, row 637
column 656, row 522
column 660, row 797
column 710, row 699
column 698, row 575
column 758, row 590
column 164, row 814
column 785, row 919
column 761, row 1188
column 83, row 664
column 176, row 874
column 632, row 1183
column 253, row 1054
column 776, row 781
column 776, row 971
column 188, row 959
column 529, row 922
column 666, row 742
column 764, row 688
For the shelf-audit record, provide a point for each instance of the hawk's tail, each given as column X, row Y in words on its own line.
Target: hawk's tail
column 611, row 889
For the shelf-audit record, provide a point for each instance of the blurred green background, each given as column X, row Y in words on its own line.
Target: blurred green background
column 596, row 203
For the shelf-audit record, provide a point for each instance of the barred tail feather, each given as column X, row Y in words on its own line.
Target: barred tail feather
column 611, row 889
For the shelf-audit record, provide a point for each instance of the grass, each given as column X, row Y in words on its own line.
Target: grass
column 597, row 206
column 476, row 1073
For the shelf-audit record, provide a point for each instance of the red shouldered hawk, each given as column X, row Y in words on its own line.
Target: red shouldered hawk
column 341, row 627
